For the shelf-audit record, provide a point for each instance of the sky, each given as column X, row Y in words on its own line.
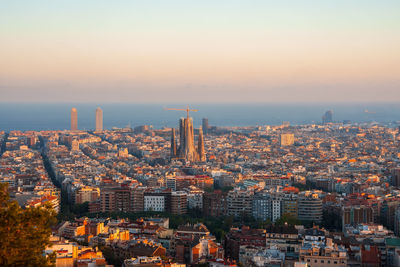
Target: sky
column 217, row 51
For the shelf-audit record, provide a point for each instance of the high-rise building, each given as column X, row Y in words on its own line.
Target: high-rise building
column 354, row 215
column 115, row 199
column 157, row 200
column 99, row 120
column 87, row 194
column 205, row 126
column 239, row 203
column 327, row 117
column 309, row 207
column 74, row 119
column 171, row 183
column 154, row 203
column 138, row 199
column 287, row 139
column 395, row 179
column 397, row 221
column 261, row 206
column 276, row 206
column 289, row 204
column 178, row 202
column 181, row 182
column 194, row 197
column 388, row 210
column 215, row 204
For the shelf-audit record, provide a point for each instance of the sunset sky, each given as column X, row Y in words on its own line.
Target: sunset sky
column 199, row 51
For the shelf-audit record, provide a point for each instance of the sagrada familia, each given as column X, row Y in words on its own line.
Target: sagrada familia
column 187, row 149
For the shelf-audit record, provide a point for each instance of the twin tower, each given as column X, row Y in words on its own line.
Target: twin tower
column 99, row 120
column 187, row 149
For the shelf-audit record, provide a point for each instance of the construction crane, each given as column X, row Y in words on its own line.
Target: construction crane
column 187, row 109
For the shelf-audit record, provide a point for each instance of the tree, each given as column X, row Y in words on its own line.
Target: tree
column 24, row 233
column 331, row 220
column 263, row 224
column 80, row 209
column 287, row 219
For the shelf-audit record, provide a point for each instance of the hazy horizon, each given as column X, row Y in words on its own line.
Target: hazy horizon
column 184, row 104
column 56, row 116
column 200, row 52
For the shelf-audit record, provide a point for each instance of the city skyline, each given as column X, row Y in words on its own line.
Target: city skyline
column 37, row 116
column 200, row 133
column 225, row 52
column 255, row 186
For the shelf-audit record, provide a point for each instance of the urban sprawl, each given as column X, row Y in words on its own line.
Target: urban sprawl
column 317, row 195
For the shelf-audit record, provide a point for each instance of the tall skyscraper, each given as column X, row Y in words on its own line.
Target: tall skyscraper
column 328, row 117
column 205, row 126
column 74, row 119
column 99, row 120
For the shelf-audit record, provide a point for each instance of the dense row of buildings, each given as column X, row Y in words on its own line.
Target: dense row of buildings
column 345, row 177
column 22, row 168
column 148, row 240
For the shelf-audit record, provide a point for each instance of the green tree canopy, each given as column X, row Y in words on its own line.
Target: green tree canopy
column 24, row 233
column 287, row 219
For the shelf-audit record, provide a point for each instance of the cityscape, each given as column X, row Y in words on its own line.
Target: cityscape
column 218, row 196
column 226, row 133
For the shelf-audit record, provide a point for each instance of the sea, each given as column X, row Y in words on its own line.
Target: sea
column 56, row 116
